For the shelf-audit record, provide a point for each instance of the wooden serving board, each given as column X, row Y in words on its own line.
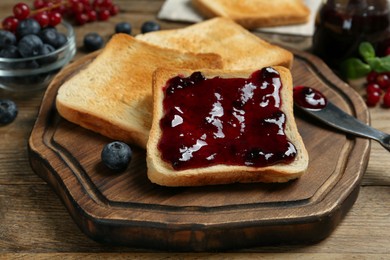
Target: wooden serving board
column 127, row 209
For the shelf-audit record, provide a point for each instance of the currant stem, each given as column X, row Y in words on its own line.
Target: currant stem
column 49, row 8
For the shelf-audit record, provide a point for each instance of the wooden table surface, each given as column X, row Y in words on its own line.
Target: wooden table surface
column 34, row 222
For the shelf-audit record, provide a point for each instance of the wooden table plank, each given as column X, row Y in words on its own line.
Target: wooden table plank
column 34, row 223
column 34, row 220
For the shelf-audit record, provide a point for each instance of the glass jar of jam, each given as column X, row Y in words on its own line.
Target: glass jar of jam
column 341, row 25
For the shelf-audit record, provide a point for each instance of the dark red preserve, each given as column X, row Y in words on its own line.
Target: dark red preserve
column 308, row 97
column 341, row 25
column 230, row 121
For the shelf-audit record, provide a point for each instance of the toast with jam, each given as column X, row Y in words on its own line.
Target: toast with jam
column 253, row 14
column 227, row 127
column 239, row 48
column 112, row 95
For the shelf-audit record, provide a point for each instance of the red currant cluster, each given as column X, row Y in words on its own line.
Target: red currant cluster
column 85, row 11
column 51, row 12
column 377, row 88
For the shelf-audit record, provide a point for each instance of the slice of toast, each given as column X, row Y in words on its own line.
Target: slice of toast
column 238, row 48
column 253, row 14
column 113, row 94
column 180, row 149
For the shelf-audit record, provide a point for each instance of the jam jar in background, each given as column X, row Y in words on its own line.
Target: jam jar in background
column 341, row 25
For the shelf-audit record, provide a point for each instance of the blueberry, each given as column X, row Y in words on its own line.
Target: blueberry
column 8, row 111
column 93, row 42
column 13, row 53
column 6, row 38
column 46, row 50
column 10, row 51
column 60, row 41
column 32, row 64
column 27, row 26
column 48, row 35
column 150, row 26
column 123, row 28
column 51, row 36
column 116, row 155
column 30, row 45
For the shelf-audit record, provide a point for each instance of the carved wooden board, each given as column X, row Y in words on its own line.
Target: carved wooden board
column 126, row 209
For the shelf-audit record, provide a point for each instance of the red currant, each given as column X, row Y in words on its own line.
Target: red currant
column 10, row 23
column 386, row 99
column 96, row 4
column 114, row 10
column 371, row 77
column 373, row 87
column 105, row 4
column 62, row 9
column 103, row 15
column 50, row 12
column 42, row 18
column 55, row 18
column 38, row 4
column 82, row 18
column 77, row 7
column 87, row 8
column 92, row 15
column 373, row 99
column 383, row 80
column 21, row 11
column 85, row 2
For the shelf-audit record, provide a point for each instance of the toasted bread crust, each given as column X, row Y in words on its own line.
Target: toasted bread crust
column 113, row 94
column 239, row 48
column 106, row 128
column 162, row 173
column 253, row 14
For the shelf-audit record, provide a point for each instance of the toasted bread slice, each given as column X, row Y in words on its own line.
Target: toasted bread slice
column 166, row 172
column 113, row 94
column 238, row 48
column 256, row 13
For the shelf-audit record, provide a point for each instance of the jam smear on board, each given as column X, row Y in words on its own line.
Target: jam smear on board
column 230, row 121
column 308, row 97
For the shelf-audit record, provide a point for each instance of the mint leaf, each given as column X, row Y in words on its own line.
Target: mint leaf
column 367, row 51
column 380, row 64
column 354, row 68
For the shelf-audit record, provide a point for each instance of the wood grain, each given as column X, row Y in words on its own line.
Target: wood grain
column 34, row 224
column 128, row 209
column 35, row 221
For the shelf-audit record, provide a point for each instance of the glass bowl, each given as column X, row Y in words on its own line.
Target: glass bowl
column 15, row 74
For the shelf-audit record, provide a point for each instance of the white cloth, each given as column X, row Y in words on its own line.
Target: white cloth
column 182, row 11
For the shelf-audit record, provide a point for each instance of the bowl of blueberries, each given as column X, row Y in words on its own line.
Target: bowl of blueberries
column 31, row 55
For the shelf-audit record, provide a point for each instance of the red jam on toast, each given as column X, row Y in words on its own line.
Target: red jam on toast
column 231, row 121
